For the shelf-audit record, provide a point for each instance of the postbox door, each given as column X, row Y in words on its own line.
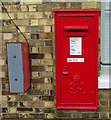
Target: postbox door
column 77, row 66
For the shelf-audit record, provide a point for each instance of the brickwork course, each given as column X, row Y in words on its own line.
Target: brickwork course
column 36, row 21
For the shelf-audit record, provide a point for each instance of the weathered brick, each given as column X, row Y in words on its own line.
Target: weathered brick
column 76, row 5
column 33, row 3
column 13, row 115
column 61, row 114
column 34, row 29
column 47, row 28
column 23, row 115
column 90, row 115
column 92, row 5
column 36, row 43
column 32, row 8
column 103, row 102
column 22, row 29
column 12, row 110
column 37, row 68
column 50, row 116
column 46, row 49
column 47, row 55
column 21, row 22
column 8, row 29
column 37, row 116
column 103, row 109
column 38, row 80
column 24, row 8
column 48, row 68
column 48, row 43
column 104, row 115
column 5, row 16
column 48, row 98
column 48, row 14
column 15, row 8
column 45, row 21
column 35, row 92
column 2, row 74
column 20, row 36
column 47, row 62
column 47, row 74
column 33, row 15
column 36, row 56
column 10, row 98
column 6, row 23
column 25, row 109
column 34, row 36
column 44, row 8
column 8, row 7
column 36, row 75
column 34, row 22
column 20, row 15
column 49, row 104
column 7, row 36
column 68, row 5
column 35, row 62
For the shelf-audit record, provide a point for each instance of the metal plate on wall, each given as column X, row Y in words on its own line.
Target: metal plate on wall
column 15, row 67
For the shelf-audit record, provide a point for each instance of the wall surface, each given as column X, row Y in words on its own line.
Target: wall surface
column 36, row 21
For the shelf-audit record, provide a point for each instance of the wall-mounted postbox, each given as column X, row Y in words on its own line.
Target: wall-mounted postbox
column 18, row 67
column 76, row 55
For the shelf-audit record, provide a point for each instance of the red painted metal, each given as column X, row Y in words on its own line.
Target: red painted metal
column 76, row 82
column 25, row 59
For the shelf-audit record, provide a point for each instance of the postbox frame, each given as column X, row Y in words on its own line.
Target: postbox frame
column 58, row 14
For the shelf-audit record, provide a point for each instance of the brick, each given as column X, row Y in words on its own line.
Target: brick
column 36, row 43
column 103, row 94
column 32, row 8
column 77, row 115
column 14, row 115
column 88, row 5
column 21, row 22
column 48, row 14
column 2, row 74
column 104, row 115
column 103, row 109
column 35, row 92
column 47, row 55
column 48, row 98
column 37, row 116
column 49, row 104
column 50, row 116
column 12, row 110
column 61, row 114
column 4, row 110
column 8, row 29
column 35, row 50
column 68, row 5
column 23, row 115
column 7, row 22
column 34, row 36
column 46, row 49
column 22, row 29
column 15, row 8
column 47, row 28
column 20, row 15
column 47, row 62
column 5, row 16
column 76, row 5
column 48, row 110
column 38, row 80
column 48, row 68
column 34, row 29
column 36, row 56
column 33, row 3
column 47, row 74
column 25, row 109
column 37, row 68
column 44, row 8
column 36, row 75
column 24, row 8
column 23, row 98
column 45, row 21
column 47, row 80
column 34, row 22
column 8, row 7
column 33, row 15
column 20, row 36
column 103, row 102
column 49, row 43
column 10, row 98
column 35, row 62
column 90, row 115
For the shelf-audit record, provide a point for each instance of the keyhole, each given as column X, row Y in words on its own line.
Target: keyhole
column 14, row 56
column 16, row 79
column 64, row 68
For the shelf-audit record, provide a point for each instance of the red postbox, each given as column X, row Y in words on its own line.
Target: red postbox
column 76, row 55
